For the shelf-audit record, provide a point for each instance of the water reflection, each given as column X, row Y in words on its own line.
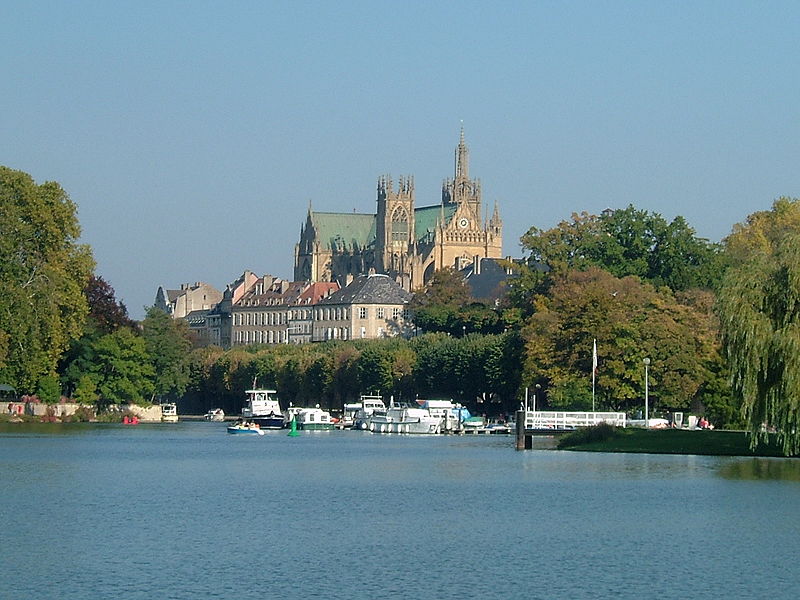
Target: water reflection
column 782, row 469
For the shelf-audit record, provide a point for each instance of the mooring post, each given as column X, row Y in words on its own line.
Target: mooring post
column 520, row 430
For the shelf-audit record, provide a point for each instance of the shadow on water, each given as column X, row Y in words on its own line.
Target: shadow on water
column 763, row 469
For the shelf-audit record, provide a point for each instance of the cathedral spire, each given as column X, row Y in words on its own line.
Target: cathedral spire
column 462, row 157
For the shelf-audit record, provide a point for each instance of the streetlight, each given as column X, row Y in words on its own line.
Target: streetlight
column 535, row 391
column 646, row 362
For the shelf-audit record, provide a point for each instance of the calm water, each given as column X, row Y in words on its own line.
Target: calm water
column 186, row 511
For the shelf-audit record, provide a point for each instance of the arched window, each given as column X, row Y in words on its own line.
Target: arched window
column 400, row 225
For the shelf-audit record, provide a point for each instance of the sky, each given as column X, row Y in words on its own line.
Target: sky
column 193, row 135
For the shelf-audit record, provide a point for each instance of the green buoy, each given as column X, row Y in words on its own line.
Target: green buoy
column 293, row 431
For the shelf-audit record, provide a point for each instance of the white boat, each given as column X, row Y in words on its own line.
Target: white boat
column 169, row 412
column 263, row 409
column 349, row 415
column 314, row 419
column 368, row 406
column 216, row 414
column 451, row 416
column 404, row 419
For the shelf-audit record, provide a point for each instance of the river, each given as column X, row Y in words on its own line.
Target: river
column 178, row 511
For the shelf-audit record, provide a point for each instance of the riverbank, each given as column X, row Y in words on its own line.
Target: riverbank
column 670, row 441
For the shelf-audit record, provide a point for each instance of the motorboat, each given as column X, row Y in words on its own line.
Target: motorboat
column 404, row 419
column 452, row 416
column 314, row 419
column 368, row 406
column 263, row 409
column 169, row 412
column 349, row 415
column 245, row 429
column 216, row 414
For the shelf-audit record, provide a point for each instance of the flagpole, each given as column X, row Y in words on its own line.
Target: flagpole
column 594, row 368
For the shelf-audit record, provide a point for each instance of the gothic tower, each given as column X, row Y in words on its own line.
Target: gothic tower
column 394, row 227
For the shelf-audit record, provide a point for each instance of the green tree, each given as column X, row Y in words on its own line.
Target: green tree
column 43, row 271
column 759, row 306
column 631, row 320
column 168, row 345
column 121, row 368
column 86, row 390
column 628, row 242
column 49, row 390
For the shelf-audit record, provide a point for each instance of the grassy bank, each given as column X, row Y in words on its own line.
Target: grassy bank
column 665, row 441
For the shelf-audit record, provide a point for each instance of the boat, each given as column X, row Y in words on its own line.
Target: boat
column 404, row 419
column 349, row 415
column 216, row 414
column 314, row 419
column 169, row 412
column 368, row 406
column 474, row 424
column 263, row 409
column 245, row 429
column 451, row 416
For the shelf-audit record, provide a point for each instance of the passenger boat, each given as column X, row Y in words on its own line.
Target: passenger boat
column 314, row 419
column 369, row 405
column 404, row 419
column 216, row 414
column 263, row 409
column 169, row 413
column 245, row 429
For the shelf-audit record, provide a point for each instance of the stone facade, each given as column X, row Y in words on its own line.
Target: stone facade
column 406, row 242
column 372, row 306
column 189, row 298
column 276, row 311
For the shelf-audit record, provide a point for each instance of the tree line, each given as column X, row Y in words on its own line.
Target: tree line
column 718, row 322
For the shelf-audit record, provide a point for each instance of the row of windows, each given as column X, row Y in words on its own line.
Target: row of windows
column 340, row 333
column 271, row 317
column 342, row 313
column 260, row 337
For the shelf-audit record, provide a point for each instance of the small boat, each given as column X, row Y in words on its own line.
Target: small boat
column 314, row 419
column 263, row 409
column 216, row 415
column 169, row 412
column 245, row 429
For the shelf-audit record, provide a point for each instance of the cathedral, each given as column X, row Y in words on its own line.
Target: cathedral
column 402, row 240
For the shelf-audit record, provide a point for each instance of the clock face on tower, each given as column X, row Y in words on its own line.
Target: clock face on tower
column 463, row 223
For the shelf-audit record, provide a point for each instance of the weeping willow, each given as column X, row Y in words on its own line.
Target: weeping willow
column 759, row 306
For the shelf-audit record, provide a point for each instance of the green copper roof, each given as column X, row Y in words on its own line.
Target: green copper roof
column 352, row 231
column 425, row 218
column 344, row 231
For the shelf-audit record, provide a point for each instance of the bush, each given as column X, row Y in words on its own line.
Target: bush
column 589, row 435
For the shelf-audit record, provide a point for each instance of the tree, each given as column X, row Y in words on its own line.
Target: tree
column 43, row 271
column 106, row 313
column 628, row 242
column 759, row 307
column 121, row 368
column 168, row 346
column 631, row 320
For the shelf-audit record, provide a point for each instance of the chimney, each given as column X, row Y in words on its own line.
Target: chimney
column 476, row 265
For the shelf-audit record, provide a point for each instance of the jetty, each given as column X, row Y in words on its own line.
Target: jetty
column 555, row 422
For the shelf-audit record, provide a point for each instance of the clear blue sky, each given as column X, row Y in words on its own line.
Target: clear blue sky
column 192, row 135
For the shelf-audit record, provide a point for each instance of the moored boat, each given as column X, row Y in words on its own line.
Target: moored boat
column 314, row 419
column 169, row 412
column 404, row 419
column 216, row 414
column 368, row 407
column 263, row 409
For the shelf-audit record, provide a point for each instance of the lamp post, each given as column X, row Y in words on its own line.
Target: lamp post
column 646, row 392
column 535, row 391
